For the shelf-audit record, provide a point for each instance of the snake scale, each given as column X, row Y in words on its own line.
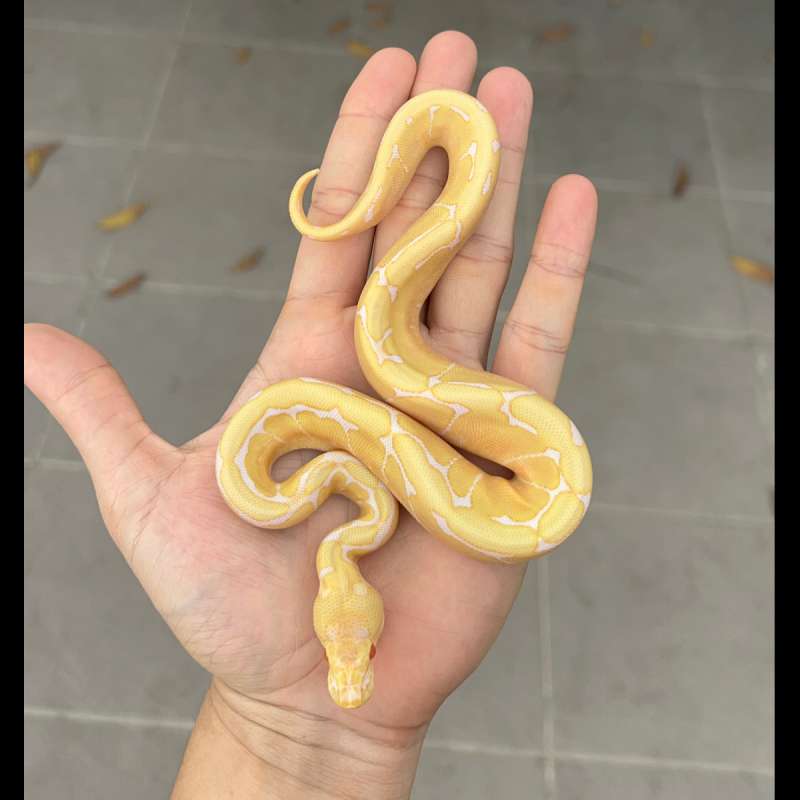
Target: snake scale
column 406, row 447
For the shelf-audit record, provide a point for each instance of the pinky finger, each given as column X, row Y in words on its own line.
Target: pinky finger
column 537, row 332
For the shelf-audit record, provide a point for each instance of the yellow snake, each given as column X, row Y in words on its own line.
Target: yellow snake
column 433, row 406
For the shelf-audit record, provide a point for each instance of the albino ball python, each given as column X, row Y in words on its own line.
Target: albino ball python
column 369, row 445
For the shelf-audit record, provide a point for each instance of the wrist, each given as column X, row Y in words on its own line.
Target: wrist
column 270, row 751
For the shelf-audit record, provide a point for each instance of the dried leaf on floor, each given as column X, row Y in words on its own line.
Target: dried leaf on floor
column 755, row 270
column 339, row 25
column 36, row 157
column 359, row 49
column 646, row 37
column 250, row 261
column 681, row 183
column 122, row 219
column 126, row 287
column 557, row 33
column 242, row 54
column 384, row 12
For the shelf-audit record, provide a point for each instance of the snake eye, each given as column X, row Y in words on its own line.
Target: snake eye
column 372, row 652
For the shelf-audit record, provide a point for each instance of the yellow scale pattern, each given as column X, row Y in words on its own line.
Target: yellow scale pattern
column 404, row 448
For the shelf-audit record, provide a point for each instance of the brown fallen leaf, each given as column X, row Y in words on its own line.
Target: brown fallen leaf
column 126, row 287
column 359, row 49
column 122, row 219
column 681, row 183
column 339, row 26
column 557, row 33
column 242, row 54
column 755, row 270
column 646, row 37
column 384, row 11
column 250, row 261
column 35, row 159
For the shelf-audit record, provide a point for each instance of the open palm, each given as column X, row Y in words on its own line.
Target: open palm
column 238, row 598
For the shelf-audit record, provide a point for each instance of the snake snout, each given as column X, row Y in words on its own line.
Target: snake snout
column 350, row 674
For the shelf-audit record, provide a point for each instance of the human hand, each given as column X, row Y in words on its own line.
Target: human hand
column 239, row 599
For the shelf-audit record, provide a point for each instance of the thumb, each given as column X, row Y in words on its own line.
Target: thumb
column 91, row 402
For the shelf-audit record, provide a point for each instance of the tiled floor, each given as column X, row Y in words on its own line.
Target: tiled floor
column 637, row 662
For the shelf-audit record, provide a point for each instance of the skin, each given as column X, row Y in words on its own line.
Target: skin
column 238, row 598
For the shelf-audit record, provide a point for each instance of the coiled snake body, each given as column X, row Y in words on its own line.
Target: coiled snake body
column 405, row 448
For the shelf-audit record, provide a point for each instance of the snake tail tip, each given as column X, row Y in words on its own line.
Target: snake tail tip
column 296, row 211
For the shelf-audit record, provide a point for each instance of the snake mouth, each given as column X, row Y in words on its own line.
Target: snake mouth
column 350, row 697
column 349, row 690
column 350, row 674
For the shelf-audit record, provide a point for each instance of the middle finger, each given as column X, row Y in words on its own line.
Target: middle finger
column 463, row 306
column 447, row 62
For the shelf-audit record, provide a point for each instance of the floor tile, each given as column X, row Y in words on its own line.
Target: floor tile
column 765, row 384
column 635, row 38
column 158, row 16
column 765, row 394
column 92, row 84
column 55, row 304
column 78, row 761
column 282, row 21
column 738, row 38
column 742, row 131
column 476, row 776
column 671, row 421
column 182, row 356
column 208, row 214
column 93, row 641
column 77, row 187
column 752, row 234
column 619, row 129
column 656, row 260
column 611, row 782
column 662, row 635
column 501, row 703
column 280, row 101
column 413, row 23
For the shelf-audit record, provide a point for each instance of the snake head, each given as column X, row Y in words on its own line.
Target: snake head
column 350, row 672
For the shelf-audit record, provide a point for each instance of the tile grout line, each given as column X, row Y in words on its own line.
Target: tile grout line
column 723, row 199
column 697, row 80
column 504, row 751
column 91, row 28
column 608, row 184
column 548, row 700
column 95, row 277
column 123, row 720
column 162, row 287
column 750, row 344
column 453, row 746
column 210, row 290
column 65, row 464
column 661, row 763
column 746, row 519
